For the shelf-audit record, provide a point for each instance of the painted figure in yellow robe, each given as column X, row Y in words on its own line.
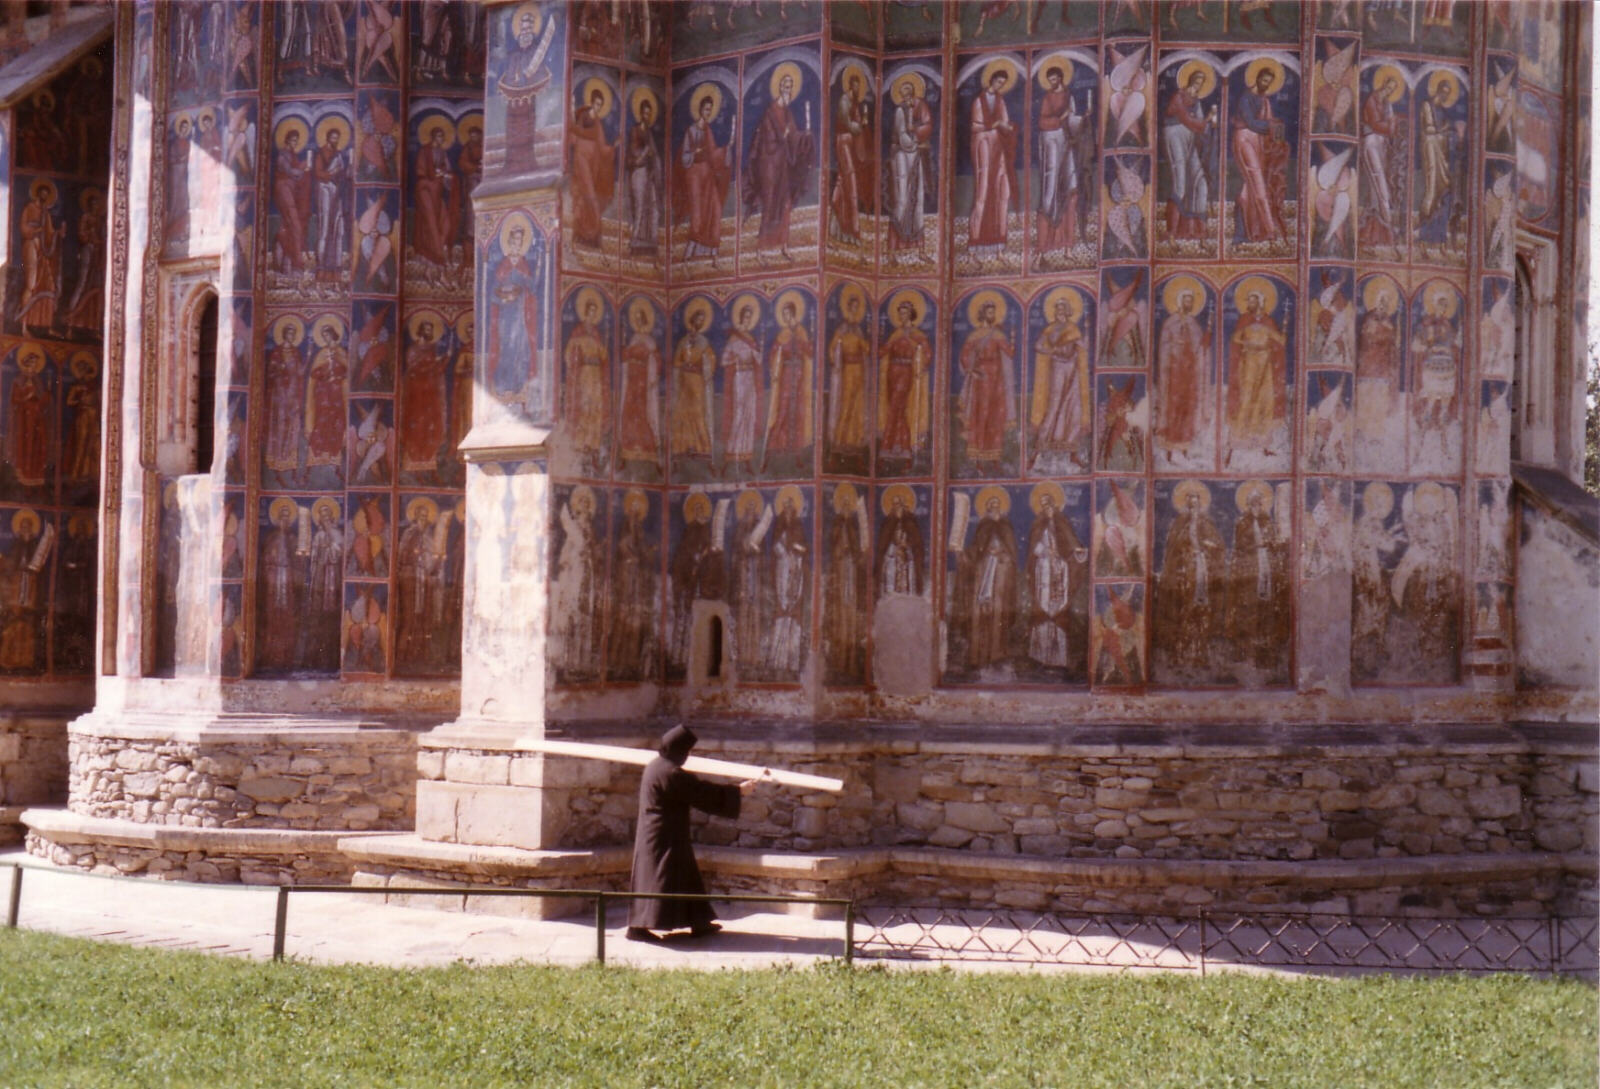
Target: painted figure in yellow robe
column 587, row 359
column 1059, row 413
column 693, row 364
column 847, row 376
column 903, row 382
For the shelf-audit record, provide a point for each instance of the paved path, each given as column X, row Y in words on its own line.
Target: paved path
column 330, row 928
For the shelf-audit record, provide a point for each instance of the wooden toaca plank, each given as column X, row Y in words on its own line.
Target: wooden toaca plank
column 700, row 765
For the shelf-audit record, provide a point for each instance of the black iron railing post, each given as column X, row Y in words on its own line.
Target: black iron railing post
column 280, row 922
column 14, row 903
column 850, row 933
column 600, row 927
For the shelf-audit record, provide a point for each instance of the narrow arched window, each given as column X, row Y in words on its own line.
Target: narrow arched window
column 203, row 409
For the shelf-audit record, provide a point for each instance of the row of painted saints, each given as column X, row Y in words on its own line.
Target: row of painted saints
column 1052, row 387
column 49, row 422
column 330, row 237
column 319, row 436
column 1019, row 603
column 318, row 612
column 1226, row 162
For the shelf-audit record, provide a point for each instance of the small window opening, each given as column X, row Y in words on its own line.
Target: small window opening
column 714, row 649
column 205, row 388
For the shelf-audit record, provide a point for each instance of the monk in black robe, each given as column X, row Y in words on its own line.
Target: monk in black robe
column 663, row 855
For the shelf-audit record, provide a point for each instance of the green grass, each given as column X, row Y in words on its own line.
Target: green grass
column 75, row 1013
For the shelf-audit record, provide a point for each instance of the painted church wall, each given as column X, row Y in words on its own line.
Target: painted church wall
column 1162, row 313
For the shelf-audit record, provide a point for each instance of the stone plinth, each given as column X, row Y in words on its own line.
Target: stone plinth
column 227, row 798
column 33, row 767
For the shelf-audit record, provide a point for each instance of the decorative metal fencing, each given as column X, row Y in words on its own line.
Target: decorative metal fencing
column 1284, row 941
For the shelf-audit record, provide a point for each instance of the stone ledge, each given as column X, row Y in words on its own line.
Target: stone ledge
column 63, row 827
column 216, row 729
column 409, row 851
column 406, row 851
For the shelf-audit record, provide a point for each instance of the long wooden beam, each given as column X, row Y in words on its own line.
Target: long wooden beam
column 700, row 765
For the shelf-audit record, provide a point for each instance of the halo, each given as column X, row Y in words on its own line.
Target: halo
column 852, row 291
column 422, row 505
column 30, row 351
column 1046, row 488
column 635, row 500
column 203, row 113
column 702, row 92
column 791, row 492
column 903, row 491
column 584, row 297
column 980, row 299
column 439, row 324
column 1068, row 296
column 521, row 219
column 1000, row 64
column 327, row 321
column 642, row 94
column 85, row 365
column 1208, row 81
column 465, row 327
column 795, row 296
column 1252, row 285
column 180, row 118
column 749, row 502
column 845, row 499
column 470, row 123
column 1377, row 500
column 582, row 496
column 286, row 126
column 787, row 68
column 431, row 125
column 1377, row 288
column 26, row 517
column 738, row 303
column 1388, row 71
column 285, row 324
column 912, row 296
column 283, row 509
column 1255, row 69
column 993, row 491
column 1437, row 292
column 919, row 86
column 1428, row 499
column 85, row 521
column 641, row 309
column 608, row 96
column 1444, row 88
column 1250, row 488
column 853, row 66
column 697, row 507
column 333, row 123
column 524, row 11
column 43, row 190
column 1177, row 286
column 325, row 503
column 697, row 305
column 1181, row 494
column 91, row 198
column 1055, row 60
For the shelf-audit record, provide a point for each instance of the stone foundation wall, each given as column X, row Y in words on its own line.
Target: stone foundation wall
column 360, row 781
column 180, row 865
column 33, row 760
column 1171, row 799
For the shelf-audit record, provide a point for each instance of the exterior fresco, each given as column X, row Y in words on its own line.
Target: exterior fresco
column 1129, row 303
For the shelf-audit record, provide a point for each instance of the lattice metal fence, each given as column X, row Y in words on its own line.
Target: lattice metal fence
column 1283, row 941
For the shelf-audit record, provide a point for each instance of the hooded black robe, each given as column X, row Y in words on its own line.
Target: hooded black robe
column 663, row 854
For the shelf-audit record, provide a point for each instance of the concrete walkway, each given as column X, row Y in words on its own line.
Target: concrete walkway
column 330, row 928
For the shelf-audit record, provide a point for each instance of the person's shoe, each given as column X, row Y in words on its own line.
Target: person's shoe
column 704, row 930
column 640, row 934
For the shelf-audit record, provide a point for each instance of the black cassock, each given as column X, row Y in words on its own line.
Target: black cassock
column 663, row 855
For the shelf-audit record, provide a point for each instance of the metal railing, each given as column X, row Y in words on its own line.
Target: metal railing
column 601, row 898
column 1283, row 940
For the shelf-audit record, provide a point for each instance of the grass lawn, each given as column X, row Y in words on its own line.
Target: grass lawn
column 76, row 1013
